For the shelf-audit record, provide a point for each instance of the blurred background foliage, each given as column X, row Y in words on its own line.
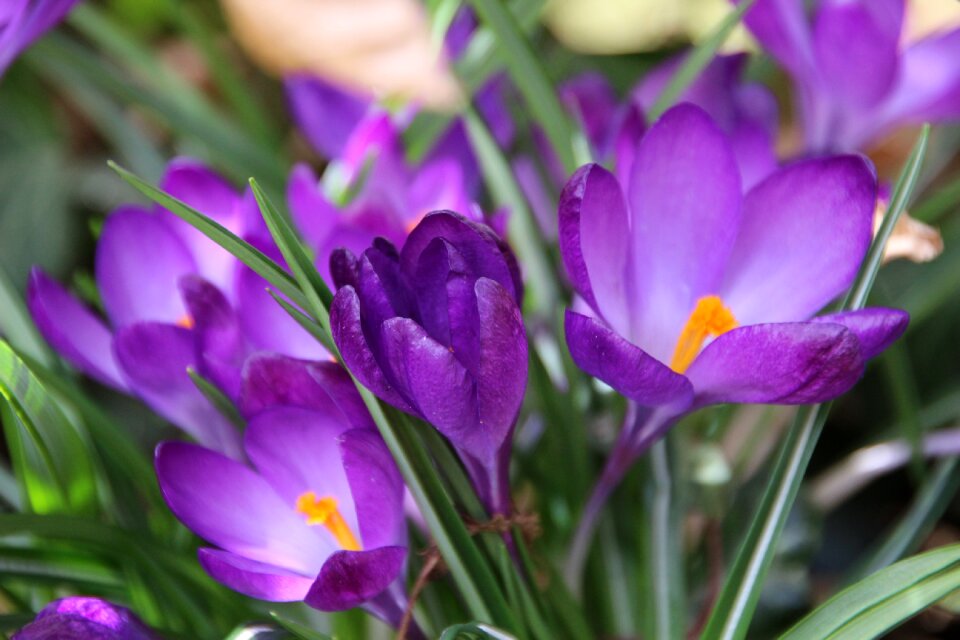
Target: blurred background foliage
column 140, row 81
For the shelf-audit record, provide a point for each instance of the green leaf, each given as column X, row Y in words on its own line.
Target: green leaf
column 697, row 61
column 734, row 608
column 475, row 631
column 884, row 600
column 51, row 459
column 16, row 325
column 217, row 398
column 523, row 232
column 931, row 501
column 526, row 69
column 299, row 630
column 244, row 251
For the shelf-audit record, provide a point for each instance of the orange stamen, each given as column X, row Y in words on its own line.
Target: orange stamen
column 324, row 511
column 185, row 321
column 708, row 318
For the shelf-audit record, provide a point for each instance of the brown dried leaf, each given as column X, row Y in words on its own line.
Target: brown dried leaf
column 911, row 239
column 381, row 47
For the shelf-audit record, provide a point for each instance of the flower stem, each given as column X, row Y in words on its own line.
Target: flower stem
column 663, row 556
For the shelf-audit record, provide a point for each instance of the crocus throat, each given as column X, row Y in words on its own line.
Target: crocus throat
column 709, row 318
column 324, row 511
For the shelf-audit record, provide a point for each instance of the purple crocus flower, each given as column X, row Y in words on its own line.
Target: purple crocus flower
column 696, row 294
column 172, row 299
column 365, row 145
column 23, row 21
column 436, row 331
column 747, row 113
column 84, row 618
column 855, row 80
column 318, row 516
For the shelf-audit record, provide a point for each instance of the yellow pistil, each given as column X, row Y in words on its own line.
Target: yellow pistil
column 185, row 321
column 324, row 511
column 709, row 318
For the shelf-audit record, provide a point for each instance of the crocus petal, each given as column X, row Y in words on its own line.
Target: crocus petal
column 782, row 363
column 154, row 358
column 683, row 164
column 84, row 618
column 198, row 186
column 255, row 579
column 928, row 87
column 23, row 22
column 314, row 215
column 344, row 268
column 876, row 327
column 605, row 355
column 483, row 252
column 139, row 263
column 350, row 578
column 804, row 232
column 593, row 102
column 271, row 380
column 502, row 378
column 347, row 329
column 225, row 502
column 296, row 451
column 856, row 54
column 325, row 113
column 376, row 486
column 220, row 346
column 782, row 29
column 437, row 384
column 73, row 330
column 265, row 323
column 595, row 242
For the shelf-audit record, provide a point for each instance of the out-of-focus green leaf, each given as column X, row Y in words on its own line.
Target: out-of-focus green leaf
column 50, row 457
column 15, row 324
column 530, row 77
column 474, row 631
column 884, row 600
column 697, row 61
column 217, row 398
column 299, row 630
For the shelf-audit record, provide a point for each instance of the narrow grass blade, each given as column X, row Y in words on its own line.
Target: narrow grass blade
column 51, row 459
column 474, row 631
column 16, row 325
column 305, row 321
column 884, row 600
column 530, row 77
column 935, row 494
column 734, row 608
column 217, row 398
column 697, row 61
column 523, row 232
column 246, row 253
column 301, row 631
column 317, row 292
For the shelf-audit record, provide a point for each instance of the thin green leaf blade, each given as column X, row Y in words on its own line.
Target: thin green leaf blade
column 884, row 599
column 734, row 608
column 244, row 251
column 697, row 61
column 52, row 459
column 299, row 630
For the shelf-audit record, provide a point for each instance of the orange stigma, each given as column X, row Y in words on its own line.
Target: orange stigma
column 709, row 318
column 414, row 221
column 324, row 511
column 185, row 321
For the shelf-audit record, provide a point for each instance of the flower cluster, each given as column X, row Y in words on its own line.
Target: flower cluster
column 701, row 269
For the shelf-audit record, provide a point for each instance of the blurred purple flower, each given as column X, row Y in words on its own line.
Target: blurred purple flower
column 696, row 294
column 855, row 81
column 173, row 299
column 746, row 112
column 319, row 516
column 23, row 21
column 436, row 331
column 364, row 144
column 84, row 618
